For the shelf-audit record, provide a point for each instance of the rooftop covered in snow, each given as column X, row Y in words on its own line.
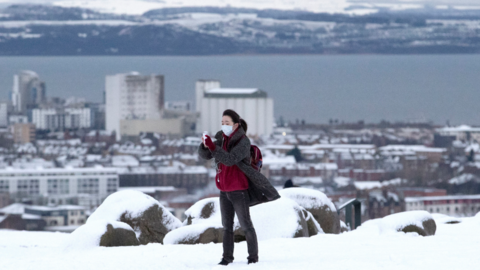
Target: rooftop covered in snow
column 235, row 92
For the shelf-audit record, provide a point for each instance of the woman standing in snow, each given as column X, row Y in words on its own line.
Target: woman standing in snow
column 240, row 185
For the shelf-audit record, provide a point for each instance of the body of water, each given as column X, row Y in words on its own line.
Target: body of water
column 311, row 87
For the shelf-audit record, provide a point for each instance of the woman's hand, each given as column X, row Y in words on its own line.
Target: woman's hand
column 209, row 143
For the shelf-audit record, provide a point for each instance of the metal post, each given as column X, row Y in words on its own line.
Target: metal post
column 358, row 215
column 348, row 216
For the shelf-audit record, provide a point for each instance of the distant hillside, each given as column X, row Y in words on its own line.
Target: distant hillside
column 53, row 30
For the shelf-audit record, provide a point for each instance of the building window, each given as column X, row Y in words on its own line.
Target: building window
column 112, row 185
column 28, row 187
column 58, row 186
column 88, row 186
column 4, row 188
column 448, row 209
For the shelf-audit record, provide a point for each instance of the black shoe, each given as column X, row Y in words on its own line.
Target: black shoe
column 252, row 261
column 223, row 262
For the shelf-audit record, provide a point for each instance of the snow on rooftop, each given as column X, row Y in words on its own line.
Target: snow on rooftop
column 233, row 91
column 442, row 198
column 461, row 128
column 10, row 170
column 14, row 209
column 413, row 148
column 366, row 185
column 148, row 189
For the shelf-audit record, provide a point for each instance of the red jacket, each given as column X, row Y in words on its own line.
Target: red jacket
column 230, row 178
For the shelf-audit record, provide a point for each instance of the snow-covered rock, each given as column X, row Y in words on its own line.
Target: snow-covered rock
column 444, row 219
column 313, row 226
column 204, row 211
column 149, row 219
column 202, row 233
column 89, row 235
column 420, row 222
column 282, row 218
column 317, row 203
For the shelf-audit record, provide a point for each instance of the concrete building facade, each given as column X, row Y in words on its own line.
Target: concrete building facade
column 251, row 104
column 455, row 205
column 59, row 185
column 3, row 114
column 28, row 91
column 60, row 119
column 23, row 133
column 132, row 97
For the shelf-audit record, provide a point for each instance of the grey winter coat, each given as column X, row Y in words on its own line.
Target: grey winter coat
column 238, row 153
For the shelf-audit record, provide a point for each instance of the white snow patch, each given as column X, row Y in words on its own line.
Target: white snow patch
column 395, row 222
column 442, row 219
column 308, row 198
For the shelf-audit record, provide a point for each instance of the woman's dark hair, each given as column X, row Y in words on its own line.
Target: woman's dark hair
column 236, row 118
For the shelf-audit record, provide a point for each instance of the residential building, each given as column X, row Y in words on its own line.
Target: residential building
column 30, row 216
column 461, row 133
column 178, row 105
column 23, row 133
column 252, row 104
column 132, row 96
column 189, row 177
column 28, row 91
column 455, row 205
column 61, row 118
column 4, row 199
column 17, row 119
column 59, row 186
column 3, row 114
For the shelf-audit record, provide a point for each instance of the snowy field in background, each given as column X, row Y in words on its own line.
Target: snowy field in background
column 455, row 246
column 137, row 7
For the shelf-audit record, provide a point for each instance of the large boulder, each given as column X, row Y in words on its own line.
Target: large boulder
column 313, row 226
column 148, row 218
column 420, row 222
column 195, row 234
column 118, row 237
column 317, row 203
column 102, row 233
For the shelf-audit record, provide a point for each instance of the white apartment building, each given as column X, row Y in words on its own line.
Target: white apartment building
column 251, row 104
column 462, row 132
column 60, row 119
column 17, row 119
column 456, row 205
column 132, row 96
column 27, row 91
column 59, row 185
column 3, row 114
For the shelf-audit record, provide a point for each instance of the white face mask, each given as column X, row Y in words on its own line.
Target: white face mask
column 227, row 130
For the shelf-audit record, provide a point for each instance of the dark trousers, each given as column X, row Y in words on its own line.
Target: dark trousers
column 231, row 203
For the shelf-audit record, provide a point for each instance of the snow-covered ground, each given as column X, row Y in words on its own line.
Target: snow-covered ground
column 137, row 7
column 455, row 246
